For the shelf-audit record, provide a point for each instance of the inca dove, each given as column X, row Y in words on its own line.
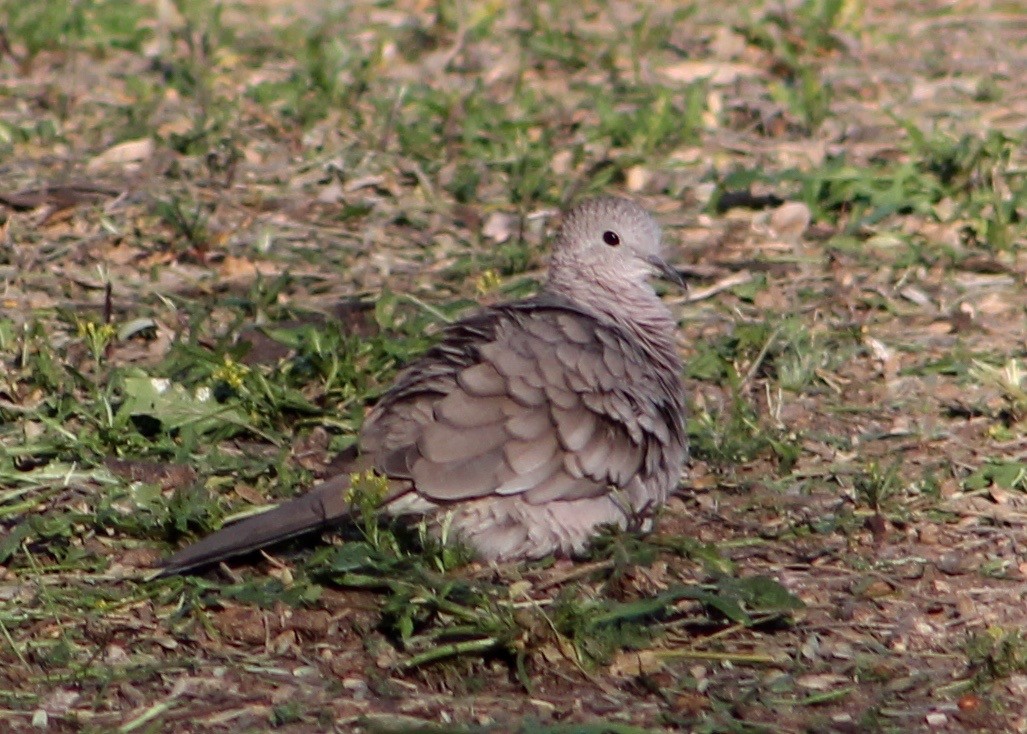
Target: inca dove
column 530, row 423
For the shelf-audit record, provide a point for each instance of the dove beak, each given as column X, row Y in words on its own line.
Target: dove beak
column 666, row 270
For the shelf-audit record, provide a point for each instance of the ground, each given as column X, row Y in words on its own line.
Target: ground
column 226, row 225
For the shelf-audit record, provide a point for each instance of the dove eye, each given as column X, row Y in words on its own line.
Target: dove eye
column 611, row 238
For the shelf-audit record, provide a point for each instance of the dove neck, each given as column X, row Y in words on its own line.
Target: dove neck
column 634, row 307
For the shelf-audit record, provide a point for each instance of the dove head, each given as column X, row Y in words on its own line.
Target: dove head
column 610, row 242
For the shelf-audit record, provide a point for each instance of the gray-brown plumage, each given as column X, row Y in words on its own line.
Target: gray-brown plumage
column 531, row 423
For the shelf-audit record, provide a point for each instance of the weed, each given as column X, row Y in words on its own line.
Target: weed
column 97, row 337
column 807, row 97
column 647, row 121
column 91, row 25
column 995, row 654
column 187, row 221
column 877, row 487
column 736, row 435
column 1009, row 474
column 808, row 30
column 1011, row 382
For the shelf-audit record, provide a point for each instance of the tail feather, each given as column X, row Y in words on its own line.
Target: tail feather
column 324, row 505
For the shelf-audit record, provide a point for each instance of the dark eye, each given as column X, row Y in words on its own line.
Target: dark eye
column 611, row 238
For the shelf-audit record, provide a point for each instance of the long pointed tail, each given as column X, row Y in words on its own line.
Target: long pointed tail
column 323, row 505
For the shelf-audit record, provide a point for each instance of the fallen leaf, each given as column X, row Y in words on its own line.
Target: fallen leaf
column 633, row 663
column 717, row 72
column 789, row 221
column 499, row 226
column 130, row 151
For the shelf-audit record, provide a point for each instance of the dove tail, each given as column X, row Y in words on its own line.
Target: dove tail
column 320, row 507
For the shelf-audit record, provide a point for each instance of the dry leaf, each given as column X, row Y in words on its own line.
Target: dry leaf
column 636, row 178
column 719, row 73
column 822, row 681
column 789, row 221
column 130, row 151
column 633, row 663
column 499, row 226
